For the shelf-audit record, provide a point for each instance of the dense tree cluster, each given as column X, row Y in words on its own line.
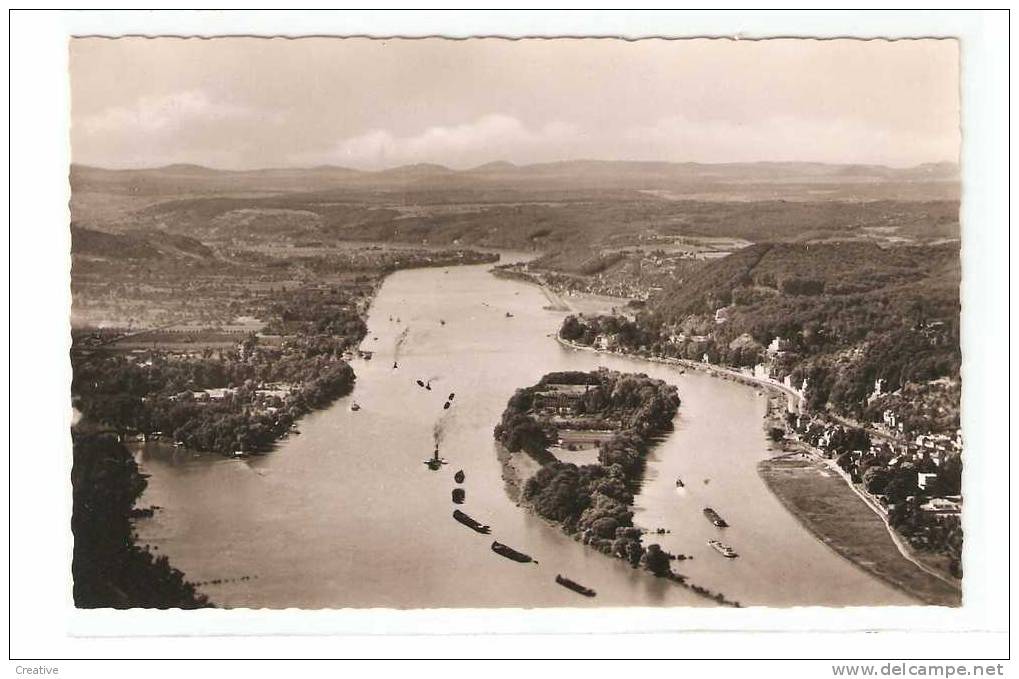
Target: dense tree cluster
column 132, row 397
column 160, row 393
column 595, row 500
column 315, row 312
column 109, row 569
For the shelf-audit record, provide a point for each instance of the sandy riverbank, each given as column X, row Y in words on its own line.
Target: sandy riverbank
column 829, row 509
column 578, row 302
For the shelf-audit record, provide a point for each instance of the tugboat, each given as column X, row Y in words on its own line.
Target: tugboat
column 511, row 554
column 471, row 523
column 723, row 549
column 459, row 476
column 575, row 586
column 714, row 518
column 435, row 462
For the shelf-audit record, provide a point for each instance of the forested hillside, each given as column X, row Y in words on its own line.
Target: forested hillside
column 844, row 316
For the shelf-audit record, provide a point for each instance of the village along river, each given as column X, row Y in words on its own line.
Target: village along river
column 347, row 515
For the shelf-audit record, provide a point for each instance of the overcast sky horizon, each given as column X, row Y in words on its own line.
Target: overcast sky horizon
column 246, row 103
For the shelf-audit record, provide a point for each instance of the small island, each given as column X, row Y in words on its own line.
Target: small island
column 606, row 421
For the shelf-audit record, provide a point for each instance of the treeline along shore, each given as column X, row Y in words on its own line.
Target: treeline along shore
column 109, row 569
column 241, row 398
column 593, row 502
column 915, row 550
column 305, row 319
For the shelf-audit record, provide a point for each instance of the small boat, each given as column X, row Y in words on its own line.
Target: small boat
column 420, row 383
column 714, row 518
column 459, row 495
column 679, row 482
column 509, row 315
column 445, row 406
column 575, row 586
column 394, row 365
column 451, row 396
column 510, row 553
column 723, row 549
column 459, row 476
column 442, row 322
column 435, row 462
column 354, row 406
column 471, row 523
column 239, row 453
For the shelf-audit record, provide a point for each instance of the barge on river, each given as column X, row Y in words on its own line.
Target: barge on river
column 575, row 586
column 510, row 553
column 723, row 549
column 470, row 522
column 714, row 518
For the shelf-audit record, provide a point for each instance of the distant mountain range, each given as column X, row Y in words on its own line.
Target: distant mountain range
column 575, row 174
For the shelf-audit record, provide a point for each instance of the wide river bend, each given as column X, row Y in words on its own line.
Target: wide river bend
column 346, row 514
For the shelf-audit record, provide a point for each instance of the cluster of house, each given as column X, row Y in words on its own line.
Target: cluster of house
column 575, row 428
column 265, row 394
column 926, row 454
column 560, row 400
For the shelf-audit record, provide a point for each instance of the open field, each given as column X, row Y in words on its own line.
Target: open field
column 837, row 516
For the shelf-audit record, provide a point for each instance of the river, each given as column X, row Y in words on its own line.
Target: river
column 347, row 515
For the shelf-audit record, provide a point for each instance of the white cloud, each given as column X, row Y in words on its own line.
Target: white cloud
column 165, row 113
column 673, row 138
column 491, row 137
column 184, row 126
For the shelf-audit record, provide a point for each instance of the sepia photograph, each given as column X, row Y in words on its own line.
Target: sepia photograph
column 492, row 325
column 594, row 323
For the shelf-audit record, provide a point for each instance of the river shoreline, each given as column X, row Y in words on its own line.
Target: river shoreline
column 514, row 490
column 214, row 536
column 830, row 510
column 896, row 569
column 519, row 468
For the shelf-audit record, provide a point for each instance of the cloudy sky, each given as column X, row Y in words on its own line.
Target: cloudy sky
column 249, row 102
